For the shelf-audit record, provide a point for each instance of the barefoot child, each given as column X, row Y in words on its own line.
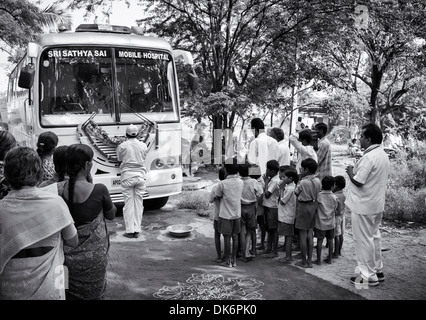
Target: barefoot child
column 270, row 207
column 324, row 218
column 252, row 190
column 339, row 186
column 216, row 206
column 306, row 192
column 229, row 192
column 287, row 209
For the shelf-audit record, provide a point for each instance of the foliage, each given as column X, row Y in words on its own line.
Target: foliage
column 383, row 59
column 195, row 200
column 409, row 168
column 405, row 204
column 21, row 21
column 406, row 192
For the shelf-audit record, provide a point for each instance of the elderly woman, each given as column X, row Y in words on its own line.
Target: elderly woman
column 7, row 142
column 35, row 225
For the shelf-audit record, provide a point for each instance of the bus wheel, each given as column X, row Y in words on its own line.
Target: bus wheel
column 153, row 204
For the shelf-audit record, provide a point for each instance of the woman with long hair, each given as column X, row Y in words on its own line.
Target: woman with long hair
column 46, row 145
column 60, row 175
column 89, row 205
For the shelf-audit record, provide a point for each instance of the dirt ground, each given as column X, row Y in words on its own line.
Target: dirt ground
column 403, row 251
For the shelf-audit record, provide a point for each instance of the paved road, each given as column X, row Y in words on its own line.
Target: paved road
column 157, row 266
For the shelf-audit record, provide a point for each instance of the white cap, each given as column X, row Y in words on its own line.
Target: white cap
column 132, row 130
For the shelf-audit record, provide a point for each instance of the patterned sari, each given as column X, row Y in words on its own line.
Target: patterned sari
column 87, row 264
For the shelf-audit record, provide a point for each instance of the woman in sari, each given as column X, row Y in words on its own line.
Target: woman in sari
column 89, row 205
column 34, row 225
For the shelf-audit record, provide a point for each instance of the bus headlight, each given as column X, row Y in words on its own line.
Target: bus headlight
column 171, row 162
column 165, row 163
column 159, row 164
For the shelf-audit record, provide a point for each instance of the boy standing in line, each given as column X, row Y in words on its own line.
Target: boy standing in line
column 324, row 218
column 229, row 221
column 216, row 208
column 306, row 192
column 287, row 209
column 252, row 190
column 339, row 186
column 270, row 206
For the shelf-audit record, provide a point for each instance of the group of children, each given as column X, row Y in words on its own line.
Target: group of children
column 282, row 202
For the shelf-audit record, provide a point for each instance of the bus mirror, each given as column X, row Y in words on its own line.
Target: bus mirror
column 193, row 81
column 26, row 77
column 32, row 50
column 183, row 55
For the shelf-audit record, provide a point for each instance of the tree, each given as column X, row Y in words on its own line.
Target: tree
column 21, row 21
column 231, row 39
column 382, row 57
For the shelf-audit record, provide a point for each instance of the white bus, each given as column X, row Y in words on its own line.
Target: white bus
column 87, row 86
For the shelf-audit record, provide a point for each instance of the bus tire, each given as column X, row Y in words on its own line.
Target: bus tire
column 154, row 204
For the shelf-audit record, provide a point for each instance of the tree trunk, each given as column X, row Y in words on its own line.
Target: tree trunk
column 376, row 77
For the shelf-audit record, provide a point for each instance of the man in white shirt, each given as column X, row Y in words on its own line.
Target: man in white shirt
column 284, row 151
column 366, row 200
column 262, row 149
column 132, row 154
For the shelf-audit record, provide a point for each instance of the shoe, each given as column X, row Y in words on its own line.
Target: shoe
column 128, row 235
column 136, row 234
column 380, row 276
column 260, row 247
column 360, row 281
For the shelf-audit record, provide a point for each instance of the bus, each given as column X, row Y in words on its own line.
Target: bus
column 88, row 85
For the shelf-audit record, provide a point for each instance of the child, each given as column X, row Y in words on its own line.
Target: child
column 287, row 209
column 229, row 192
column 216, row 206
column 252, row 190
column 324, row 218
column 339, row 186
column 270, row 207
column 260, row 218
column 306, row 192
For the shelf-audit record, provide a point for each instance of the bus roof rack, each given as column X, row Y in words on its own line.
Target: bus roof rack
column 102, row 28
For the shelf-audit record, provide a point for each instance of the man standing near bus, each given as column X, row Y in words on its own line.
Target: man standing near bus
column 132, row 154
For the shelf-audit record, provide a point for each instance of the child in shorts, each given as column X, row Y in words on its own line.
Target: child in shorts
column 339, row 186
column 270, row 207
column 287, row 209
column 216, row 206
column 306, row 192
column 324, row 218
column 260, row 218
column 229, row 192
column 252, row 190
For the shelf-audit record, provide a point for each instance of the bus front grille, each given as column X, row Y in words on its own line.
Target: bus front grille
column 118, row 197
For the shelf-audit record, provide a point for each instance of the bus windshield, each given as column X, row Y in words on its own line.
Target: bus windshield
column 114, row 82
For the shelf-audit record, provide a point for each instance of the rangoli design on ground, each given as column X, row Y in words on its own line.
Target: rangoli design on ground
column 212, row 287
